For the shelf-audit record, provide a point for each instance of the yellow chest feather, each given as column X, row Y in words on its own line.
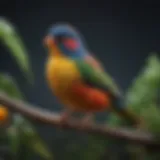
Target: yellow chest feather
column 61, row 73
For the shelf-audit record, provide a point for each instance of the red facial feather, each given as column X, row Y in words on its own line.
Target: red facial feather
column 71, row 44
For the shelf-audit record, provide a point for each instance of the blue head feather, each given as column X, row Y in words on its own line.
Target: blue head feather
column 67, row 31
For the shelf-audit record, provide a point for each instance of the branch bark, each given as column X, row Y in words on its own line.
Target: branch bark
column 51, row 118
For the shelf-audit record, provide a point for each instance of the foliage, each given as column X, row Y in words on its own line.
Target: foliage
column 142, row 97
column 20, row 134
column 10, row 37
column 143, row 94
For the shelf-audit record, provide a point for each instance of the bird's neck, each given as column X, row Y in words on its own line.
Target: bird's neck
column 56, row 55
column 55, row 52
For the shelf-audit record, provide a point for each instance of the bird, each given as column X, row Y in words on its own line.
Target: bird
column 78, row 79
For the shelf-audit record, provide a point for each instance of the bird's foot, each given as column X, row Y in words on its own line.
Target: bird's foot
column 140, row 125
column 87, row 120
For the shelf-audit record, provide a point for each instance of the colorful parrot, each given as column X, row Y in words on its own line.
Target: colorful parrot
column 77, row 79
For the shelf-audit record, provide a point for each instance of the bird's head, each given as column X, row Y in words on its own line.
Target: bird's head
column 66, row 39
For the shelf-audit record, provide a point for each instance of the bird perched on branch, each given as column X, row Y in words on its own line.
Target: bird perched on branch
column 77, row 79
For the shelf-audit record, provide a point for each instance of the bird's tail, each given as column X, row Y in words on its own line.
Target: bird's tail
column 122, row 110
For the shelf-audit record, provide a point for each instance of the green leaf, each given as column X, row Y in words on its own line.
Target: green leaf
column 12, row 40
column 32, row 139
column 14, row 135
column 141, row 98
column 9, row 86
column 142, row 95
column 27, row 132
column 14, row 140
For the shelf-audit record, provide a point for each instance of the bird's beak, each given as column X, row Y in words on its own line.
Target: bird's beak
column 49, row 41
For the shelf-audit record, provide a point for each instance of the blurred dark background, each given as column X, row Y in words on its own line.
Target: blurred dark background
column 121, row 34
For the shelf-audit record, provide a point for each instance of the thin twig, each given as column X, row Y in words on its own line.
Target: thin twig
column 51, row 118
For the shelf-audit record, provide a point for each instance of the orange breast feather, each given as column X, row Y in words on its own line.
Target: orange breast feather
column 94, row 98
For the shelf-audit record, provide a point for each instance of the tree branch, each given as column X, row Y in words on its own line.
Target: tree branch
column 53, row 119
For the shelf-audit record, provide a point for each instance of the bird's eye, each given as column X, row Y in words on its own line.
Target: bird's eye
column 59, row 38
column 71, row 43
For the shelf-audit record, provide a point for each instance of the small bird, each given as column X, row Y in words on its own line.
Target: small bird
column 78, row 79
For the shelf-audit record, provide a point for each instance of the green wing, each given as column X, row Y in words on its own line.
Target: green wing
column 100, row 79
column 97, row 78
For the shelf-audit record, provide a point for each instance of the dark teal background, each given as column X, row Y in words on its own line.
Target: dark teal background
column 121, row 35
